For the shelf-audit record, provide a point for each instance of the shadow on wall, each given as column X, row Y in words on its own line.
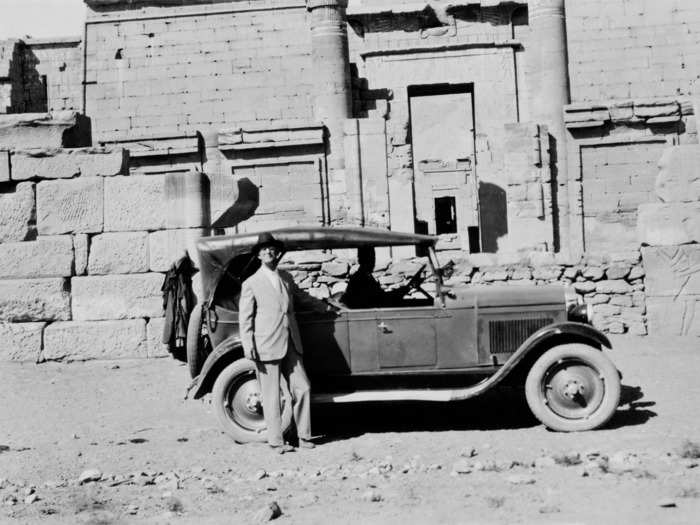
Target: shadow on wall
column 494, row 215
column 247, row 202
column 29, row 89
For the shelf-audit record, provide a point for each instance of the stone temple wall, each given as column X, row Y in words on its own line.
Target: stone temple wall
column 83, row 244
column 155, row 71
column 624, row 49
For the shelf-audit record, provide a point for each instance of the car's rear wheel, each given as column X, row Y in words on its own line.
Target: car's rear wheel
column 573, row 387
column 196, row 342
column 238, row 403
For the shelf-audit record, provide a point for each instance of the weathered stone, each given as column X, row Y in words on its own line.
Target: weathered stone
column 638, row 299
column 594, row 273
column 335, row 268
column 55, row 163
column 135, row 203
column 17, row 213
column 320, row 292
column 672, row 271
column 679, row 175
column 547, row 273
column 613, row 286
column 628, row 256
column 631, row 315
column 606, row 310
column 154, row 338
column 307, row 257
column 621, row 300
column 267, row 513
column 187, row 196
column 666, row 316
column 117, row 297
column 572, row 272
column 80, row 253
column 68, row 206
column 24, row 300
column 617, row 271
column 637, row 272
column 4, row 165
column 114, row 253
column 668, row 224
column 599, row 298
column 388, row 280
column 494, row 274
column 51, row 257
column 338, row 288
column 63, row 129
column 168, row 246
column 20, row 341
column 521, row 273
column 650, row 110
column 521, row 479
column 481, row 260
column 95, row 340
column 584, row 286
column 636, row 328
column 89, row 475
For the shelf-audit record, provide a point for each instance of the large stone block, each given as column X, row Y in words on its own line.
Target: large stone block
column 68, row 206
column 17, row 213
column 669, row 316
column 4, row 165
column 135, row 203
column 167, row 246
column 95, row 340
column 679, row 178
column 187, row 196
column 65, row 129
column 118, row 253
column 24, row 300
column 50, row 257
column 67, row 163
column 672, row 271
column 117, row 297
column 154, row 338
column 20, row 341
column 668, row 224
column 80, row 253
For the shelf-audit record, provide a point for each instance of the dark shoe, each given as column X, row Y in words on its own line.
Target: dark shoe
column 282, row 449
column 303, row 443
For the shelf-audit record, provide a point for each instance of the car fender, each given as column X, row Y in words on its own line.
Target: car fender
column 533, row 346
column 572, row 332
column 225, row 353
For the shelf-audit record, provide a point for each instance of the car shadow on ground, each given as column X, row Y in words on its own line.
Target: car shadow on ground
column 500, row 409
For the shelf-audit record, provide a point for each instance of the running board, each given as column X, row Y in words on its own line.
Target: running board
column 435, row 394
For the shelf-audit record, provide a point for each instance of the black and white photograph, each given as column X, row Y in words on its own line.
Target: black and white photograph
column 348, row 262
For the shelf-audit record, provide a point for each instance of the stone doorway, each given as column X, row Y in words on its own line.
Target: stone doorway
column 446, row 190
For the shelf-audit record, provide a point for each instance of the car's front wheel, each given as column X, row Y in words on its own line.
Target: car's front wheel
column 573, row 387
column 238, row 403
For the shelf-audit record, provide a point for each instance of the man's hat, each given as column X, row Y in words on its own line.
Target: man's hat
column 266, row 239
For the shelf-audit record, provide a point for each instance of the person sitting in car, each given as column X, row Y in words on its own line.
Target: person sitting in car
column 364, row 291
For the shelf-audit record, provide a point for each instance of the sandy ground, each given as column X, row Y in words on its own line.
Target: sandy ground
column 162, row 459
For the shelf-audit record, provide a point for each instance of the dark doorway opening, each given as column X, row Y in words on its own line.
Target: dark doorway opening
column 445, row 215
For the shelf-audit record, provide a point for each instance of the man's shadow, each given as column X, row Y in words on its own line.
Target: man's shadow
column 499, row 409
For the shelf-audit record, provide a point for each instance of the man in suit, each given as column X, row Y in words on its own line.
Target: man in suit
column 270, row 337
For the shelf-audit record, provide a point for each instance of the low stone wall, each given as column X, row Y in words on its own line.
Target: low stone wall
column 613, row 284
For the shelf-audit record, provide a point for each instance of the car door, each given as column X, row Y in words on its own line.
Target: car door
column 325, row 340
column 405, row 337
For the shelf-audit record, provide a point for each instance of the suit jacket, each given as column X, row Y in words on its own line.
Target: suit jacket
column 266, row 316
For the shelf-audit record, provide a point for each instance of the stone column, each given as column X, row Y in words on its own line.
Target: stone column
column 549, row 88
column 331, row 68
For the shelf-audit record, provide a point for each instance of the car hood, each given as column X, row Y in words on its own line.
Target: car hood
column 495, row 296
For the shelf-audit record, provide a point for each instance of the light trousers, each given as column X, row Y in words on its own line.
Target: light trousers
column 291, row 368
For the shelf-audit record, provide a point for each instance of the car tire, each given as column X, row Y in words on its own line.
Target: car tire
column 572, row 388
column 195, row 342
column 236, row 399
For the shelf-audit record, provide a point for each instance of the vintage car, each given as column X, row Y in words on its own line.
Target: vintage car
column 453, row 342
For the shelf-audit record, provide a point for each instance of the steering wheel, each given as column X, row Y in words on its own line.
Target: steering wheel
column 416, row 280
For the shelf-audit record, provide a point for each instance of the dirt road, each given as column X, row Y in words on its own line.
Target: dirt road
column 161, row 459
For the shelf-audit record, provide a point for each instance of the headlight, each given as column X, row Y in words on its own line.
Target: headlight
column 581, row 313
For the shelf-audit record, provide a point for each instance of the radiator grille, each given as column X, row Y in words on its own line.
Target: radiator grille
column 505, row 336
